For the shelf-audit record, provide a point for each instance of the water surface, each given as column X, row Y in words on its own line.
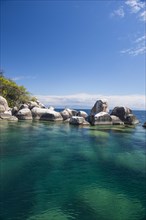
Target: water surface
column 56, row 171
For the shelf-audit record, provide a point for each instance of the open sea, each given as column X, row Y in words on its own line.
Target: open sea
column 57, row 171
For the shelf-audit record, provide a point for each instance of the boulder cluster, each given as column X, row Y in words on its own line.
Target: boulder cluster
column 99, row 114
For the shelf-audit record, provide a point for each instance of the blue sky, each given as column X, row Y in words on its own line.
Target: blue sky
column 75, row 52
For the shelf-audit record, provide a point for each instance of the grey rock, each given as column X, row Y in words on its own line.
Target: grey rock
column 121, row 112
column 131, row 120
column 13, row 118
column 68, row 113
column 116, row 120
column 32, row 104
column 3, row 104
column 46, row 114
column 82, row 114
column 24, row 114
column 14, row 110
column 99, row 106
column 101, row 118
column 23, row 106
column 76, row 120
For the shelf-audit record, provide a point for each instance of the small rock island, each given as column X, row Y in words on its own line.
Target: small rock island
column 99, row 114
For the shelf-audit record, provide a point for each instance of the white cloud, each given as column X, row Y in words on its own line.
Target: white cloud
column 119, row 12
column 87, row 100
column 135, row 5
column 140, row 39
column 17, row 78
column 142, row 16
column 138, row 47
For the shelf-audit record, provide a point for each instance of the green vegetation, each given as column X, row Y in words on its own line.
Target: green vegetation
column 14, row 94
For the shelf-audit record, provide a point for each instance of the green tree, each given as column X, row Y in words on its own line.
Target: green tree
column 14, row 94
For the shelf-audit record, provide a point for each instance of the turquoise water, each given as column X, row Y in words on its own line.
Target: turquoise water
column 55, row 171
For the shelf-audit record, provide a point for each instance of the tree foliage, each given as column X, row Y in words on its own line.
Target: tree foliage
column 14, row 94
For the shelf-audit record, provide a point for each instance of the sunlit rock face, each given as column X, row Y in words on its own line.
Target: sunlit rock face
column 100, row 106
column 101, row 118
column 116, row 120
column 3, row 105
column 46, row 114
column 68, row 113
column 82, row 114
column 77, row 120
column 125, row 115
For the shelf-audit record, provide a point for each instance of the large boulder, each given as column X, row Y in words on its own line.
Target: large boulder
column 3, row 104
column 76, row 120
column 46, row 114
column 24, row 114
column 99, row 106
column 68, row 113
column 125, row 115
column 8, row 117
column 101, row 118
column 121, row 112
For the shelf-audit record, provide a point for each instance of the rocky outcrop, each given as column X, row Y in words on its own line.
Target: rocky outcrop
column 101, row 118
column 144, row 125
column 24, row 114
column 125, row 115
column 76, row 120
column 99, row 106
column 46, row 114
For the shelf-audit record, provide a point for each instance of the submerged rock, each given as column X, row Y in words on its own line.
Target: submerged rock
column 107, row 204
column 50, row 214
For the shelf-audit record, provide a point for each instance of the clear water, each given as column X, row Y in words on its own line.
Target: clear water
column 55, row 171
